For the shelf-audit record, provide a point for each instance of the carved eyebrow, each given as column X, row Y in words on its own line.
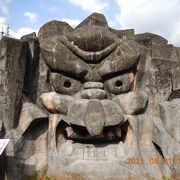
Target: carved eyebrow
column 119, row 62
column 116, row 74
column 69, row 75
column 76, row 67
column 90, row 57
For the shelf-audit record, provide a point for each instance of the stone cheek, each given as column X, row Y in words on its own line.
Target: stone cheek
column 132, row 103
column 113, row 113
column 56, row 103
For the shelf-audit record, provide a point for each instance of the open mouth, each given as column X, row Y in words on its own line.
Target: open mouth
column 110, row 134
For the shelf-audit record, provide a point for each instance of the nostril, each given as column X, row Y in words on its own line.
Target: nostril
column 93, row 85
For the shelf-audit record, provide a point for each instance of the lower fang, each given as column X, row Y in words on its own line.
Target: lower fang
column 69, row 131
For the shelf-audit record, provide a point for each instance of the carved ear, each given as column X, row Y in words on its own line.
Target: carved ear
column 53, row 29
column 48, row 56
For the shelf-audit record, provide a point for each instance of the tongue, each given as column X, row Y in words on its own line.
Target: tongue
column 94, row 117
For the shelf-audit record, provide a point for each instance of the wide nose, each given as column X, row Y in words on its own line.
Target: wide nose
column 93, row 90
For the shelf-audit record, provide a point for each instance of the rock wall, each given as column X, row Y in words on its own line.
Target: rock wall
column 13, row 59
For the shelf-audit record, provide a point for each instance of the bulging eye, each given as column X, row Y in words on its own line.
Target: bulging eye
column 120, row 84
column 65, row 85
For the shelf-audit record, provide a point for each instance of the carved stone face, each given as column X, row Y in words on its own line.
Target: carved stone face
column 93, row 75
column 99, row 122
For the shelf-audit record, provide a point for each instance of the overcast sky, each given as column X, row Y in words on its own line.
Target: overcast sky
column 157, row 16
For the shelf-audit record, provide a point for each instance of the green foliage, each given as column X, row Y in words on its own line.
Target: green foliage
column 40, row 178
column 167, row 178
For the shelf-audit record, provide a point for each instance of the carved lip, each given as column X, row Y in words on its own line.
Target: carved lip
column 94, row 115
column 109, row 134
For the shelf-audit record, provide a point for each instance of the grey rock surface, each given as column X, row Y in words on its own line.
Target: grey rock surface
column 12, row 72
column 89, row 103
column 94, row 19
column 32, row 67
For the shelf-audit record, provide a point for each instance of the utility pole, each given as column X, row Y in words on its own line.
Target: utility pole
column 7, row 31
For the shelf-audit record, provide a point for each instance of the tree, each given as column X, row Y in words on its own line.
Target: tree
column 2, row 32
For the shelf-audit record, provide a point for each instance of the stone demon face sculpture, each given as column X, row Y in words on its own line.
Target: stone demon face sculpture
column 96, row 103
column 93, row 74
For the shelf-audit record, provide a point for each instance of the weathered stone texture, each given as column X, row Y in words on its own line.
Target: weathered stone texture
column 94, row 19
column 127, row 34
column 53, row 29
column 165, row 64
column 32, row 67
column 12, row 71
column 90, row 103
column 148, row 39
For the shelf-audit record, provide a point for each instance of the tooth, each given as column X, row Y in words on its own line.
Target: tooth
column 69, row 131
column 118, row 131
